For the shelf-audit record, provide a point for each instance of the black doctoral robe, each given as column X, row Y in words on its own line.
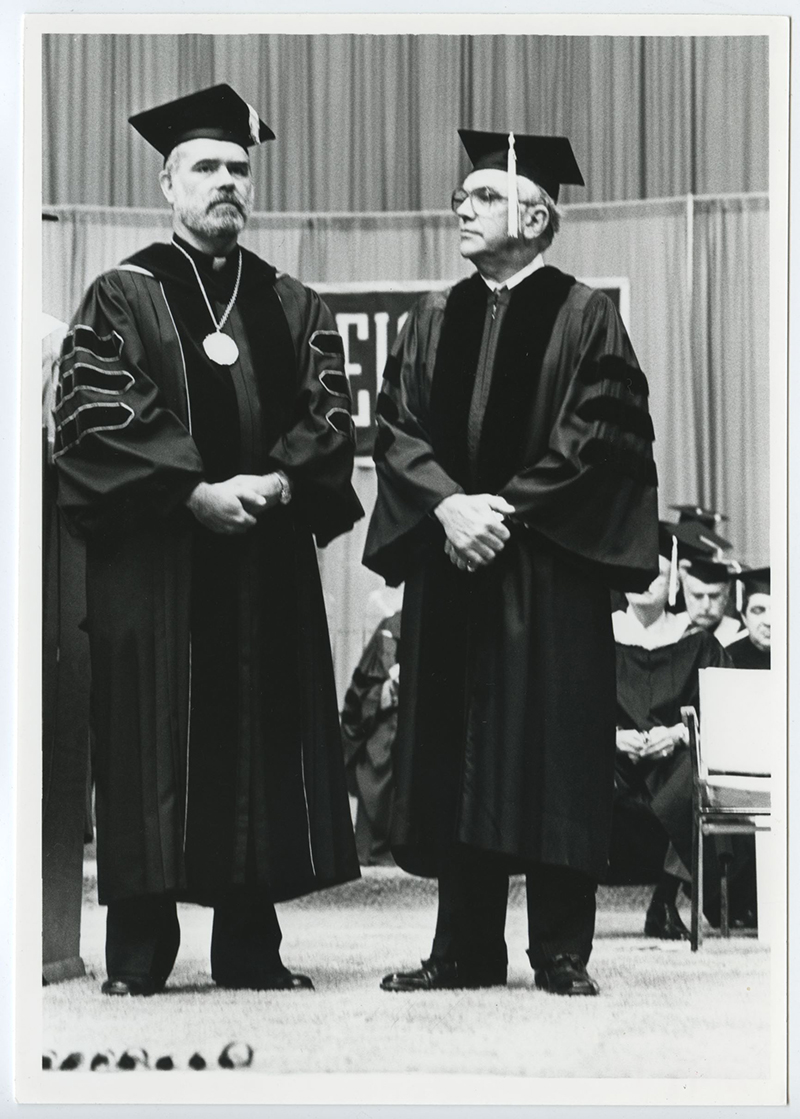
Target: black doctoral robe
column 506, row 723
column 744, row 654
column 219, row 757
column 652, row 801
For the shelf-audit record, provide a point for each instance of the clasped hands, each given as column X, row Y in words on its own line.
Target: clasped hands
column 389, row 690
column 658, row 742
column 232, row 506
column 474, row 527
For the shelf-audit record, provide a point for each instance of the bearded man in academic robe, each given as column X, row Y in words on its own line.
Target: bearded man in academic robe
column 516, row 485
column 203, row 440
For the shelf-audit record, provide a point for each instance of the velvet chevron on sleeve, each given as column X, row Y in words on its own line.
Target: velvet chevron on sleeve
column 317, row 450
column 593, row 490
column 108, row 409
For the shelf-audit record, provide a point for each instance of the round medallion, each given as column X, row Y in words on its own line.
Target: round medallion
column 221, row 348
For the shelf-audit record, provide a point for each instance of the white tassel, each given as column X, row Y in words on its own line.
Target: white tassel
column 673, row 573
column 737, row 570
column 513, row 196
column 255, row 125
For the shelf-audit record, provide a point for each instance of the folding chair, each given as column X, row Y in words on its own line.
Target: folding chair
column 731, row 769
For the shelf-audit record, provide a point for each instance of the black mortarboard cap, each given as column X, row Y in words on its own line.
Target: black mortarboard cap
column 216, row 113
column 756, row 580
column 707, row 517
column 696, row 538
column 547, row 160
column 699, row 550
column 709, row 570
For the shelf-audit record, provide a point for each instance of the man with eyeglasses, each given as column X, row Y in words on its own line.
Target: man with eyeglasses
column 516, row 484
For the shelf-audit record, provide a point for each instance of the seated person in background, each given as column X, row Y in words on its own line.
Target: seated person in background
column 657, row 673
column 752, row 650
column 369, row 726
column 706, row 582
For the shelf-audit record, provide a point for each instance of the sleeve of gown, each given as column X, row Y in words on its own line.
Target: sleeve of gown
column 411, row 483
column 593, row 494
column 317, row 450
column 121, row 454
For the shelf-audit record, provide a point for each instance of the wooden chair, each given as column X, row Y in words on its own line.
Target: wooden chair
column 731, row 769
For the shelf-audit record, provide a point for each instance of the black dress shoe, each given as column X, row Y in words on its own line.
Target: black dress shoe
column 131, row 987
column 290, row 982
column 663, row 921
column 283, row 981
column 442, row 975
column 565, row 975
column 746, row 919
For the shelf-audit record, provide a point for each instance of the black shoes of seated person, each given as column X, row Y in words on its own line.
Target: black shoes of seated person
column 663, row 921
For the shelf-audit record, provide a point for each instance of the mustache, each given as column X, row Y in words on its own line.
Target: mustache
column 227, row 200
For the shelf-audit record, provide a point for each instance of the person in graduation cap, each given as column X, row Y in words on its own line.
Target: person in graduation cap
column 515, row 485
column 706, row 580
column 203, row 442
column 752, row 650
column 658, row 658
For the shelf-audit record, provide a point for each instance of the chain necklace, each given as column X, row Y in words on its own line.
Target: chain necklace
column 221, row 348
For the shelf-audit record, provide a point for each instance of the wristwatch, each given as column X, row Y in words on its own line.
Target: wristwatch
column 286, row 487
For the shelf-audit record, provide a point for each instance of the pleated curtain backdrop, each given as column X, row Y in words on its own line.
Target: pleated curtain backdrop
column 730, row 382
column 367, row 123
column 647, row 243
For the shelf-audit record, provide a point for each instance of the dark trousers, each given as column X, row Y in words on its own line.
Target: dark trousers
column 672, row 805
column 473, row 898
column 143, row 936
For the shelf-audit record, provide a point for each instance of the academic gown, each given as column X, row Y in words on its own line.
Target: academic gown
column 506, row 721
column 219, row 759
column 744, row 654
column 652, row 686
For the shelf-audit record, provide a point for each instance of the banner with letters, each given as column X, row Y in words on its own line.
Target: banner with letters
column 369, row 316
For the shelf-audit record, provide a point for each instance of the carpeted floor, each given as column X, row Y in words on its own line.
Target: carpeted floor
column 663, row 1012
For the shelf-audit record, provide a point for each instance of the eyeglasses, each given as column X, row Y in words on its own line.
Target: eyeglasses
column 482, row 199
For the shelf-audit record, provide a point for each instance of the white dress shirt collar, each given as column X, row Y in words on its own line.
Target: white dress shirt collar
column 518, row 277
